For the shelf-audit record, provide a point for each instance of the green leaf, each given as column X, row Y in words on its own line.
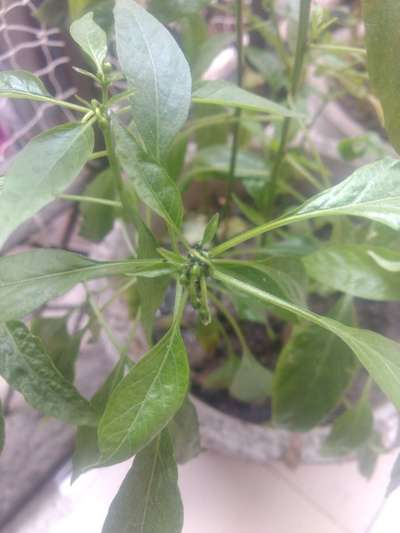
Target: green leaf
column 77, row 7
column 382, row 20
column 98, row 219
column 41, row 171
column 350, row 430
column 87, row 454
column 372, row 191
column 184, row 432
column 2, row 428
column 352, row 269
column 209, row 50
column 379, row 355
column 91, row 38
column 252, row 382
column 223, row 93
column 146, row 399
column 159, row 74
column 170, row 10
column 62, row 347
column 149, row 500
column 394, row 478
column 30, row 279
column 211, row 229
column 28, row 368
column 222, row 376
column 23, row 85
column 151, row 182
column 314, row 370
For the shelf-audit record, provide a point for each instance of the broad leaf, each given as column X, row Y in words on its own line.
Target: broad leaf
column 382, row 21
column 350, row 430
column 151, row 181
column 28, row 368
column 30, row 279
column 314, row 370
column 91, row 38
column 149, row 500
column 98, row 219
column 379, row 355
column 352, row 269
column 146, row 399
column 41, row 171
column 252, row 382
column 223, row 93
column 23, row 85
column 87, row 454
column 184, row 432
column 62, row 347
column 372, row 191
column 157, row 71
column 222, row 376
column 169, row 10
column 394, row 478
column 2, row 428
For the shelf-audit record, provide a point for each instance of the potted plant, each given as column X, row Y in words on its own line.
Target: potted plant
column 266, row 286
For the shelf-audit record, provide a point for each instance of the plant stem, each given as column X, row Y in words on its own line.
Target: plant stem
column 301, row 47
column 238, row 112
column 98, row 155
column 339, row 48
column 88, row 200
column 232, row 321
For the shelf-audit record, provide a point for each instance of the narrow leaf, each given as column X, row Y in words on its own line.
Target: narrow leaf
column 184, row 432
column 314, row 370
column 382, row 21
column 27, row 367
column 23, row 85
column 350, row 430
column 211, row 229
column 41, row 171
column 149, row 500
column 30, row 279
column 91, row 38
column 146, row 399
column 223, row 93
column 252, row 382
column 379, row 355
column 157, row 71
column 353, row 270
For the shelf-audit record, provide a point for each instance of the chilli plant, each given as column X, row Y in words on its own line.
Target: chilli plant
column 341, row 240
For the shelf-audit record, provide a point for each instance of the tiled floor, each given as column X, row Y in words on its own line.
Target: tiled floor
column 222, row 495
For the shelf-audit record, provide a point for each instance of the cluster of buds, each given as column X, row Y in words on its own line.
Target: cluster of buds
column 194, row 277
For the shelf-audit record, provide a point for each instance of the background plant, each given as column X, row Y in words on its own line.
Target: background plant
column 292, row 232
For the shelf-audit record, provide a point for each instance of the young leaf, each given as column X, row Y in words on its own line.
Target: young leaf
column 184, row 432
column 252, row 381
column 2, row 428
column 382, row 20
column 210, row 230
column 98, row 219
column 379, row 355
column 394, row 478
column 91, row 38
column 350, row 430
column 151, row 182
column 146, row 399
column 27, row 367
column 223, row 93
column 157, row 71
column 87, row 454
column 351, row 269
column 43, row 169
column 62, row 347
column 149, row 500
column 22, row 85
column 30, row 279
column 314, row 370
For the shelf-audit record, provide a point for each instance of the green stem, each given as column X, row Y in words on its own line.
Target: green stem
column 98, row 155
column 339, row 48
column 301, row 47
column 232, row 321
column 88, row 200
column 238, row 112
